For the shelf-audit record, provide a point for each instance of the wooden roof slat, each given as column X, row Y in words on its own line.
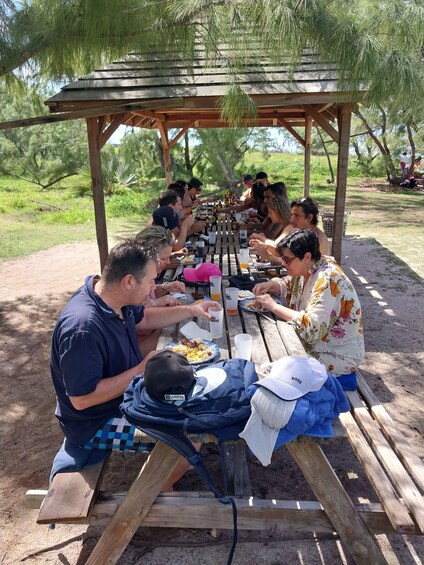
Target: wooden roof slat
column 191, row 91
column 175, row 69
column 157, row 82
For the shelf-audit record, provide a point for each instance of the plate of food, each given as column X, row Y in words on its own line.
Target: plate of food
column 197, row 351
column 183, row 298
column 188, row 260
column 248, row 304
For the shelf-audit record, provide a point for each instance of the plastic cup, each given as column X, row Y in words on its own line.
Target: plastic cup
column 243, row 343
column 215, row 286
column 243, row 236
column 231, row 300
column 223, row 216
column 244, row 257
column 212, row 238
column 200, row 249
column 216, row 322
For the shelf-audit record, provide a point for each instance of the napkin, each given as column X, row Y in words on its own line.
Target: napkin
column 191, row 330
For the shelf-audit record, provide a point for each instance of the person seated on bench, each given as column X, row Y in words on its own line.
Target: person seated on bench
column 162, row 240
column 304, row 214
column 168, row 215
column 95, row 354
column 321, row 304
column 271, row 192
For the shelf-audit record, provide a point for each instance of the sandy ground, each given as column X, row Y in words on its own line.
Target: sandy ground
column 33, row 291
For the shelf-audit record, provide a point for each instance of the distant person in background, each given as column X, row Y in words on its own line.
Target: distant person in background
column 403, row 163
column 186, row 201
column 194, row 190
column 248, row 181
column 262, row 177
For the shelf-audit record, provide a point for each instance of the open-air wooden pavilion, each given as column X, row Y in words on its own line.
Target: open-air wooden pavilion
column 164, row 92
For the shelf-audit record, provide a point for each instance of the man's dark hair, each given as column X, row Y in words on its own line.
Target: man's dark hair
column 129, row 257
column 261, row 175
column 168, row 197
column 300, row 241
column 176, row 187
column 277, row 189
column 308, row 206
column 195, row 183
column 258, row 191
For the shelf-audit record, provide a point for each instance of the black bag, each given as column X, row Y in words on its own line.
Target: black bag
column 245, row 282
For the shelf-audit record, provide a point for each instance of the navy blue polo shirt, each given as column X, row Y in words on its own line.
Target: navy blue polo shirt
column 90, row 342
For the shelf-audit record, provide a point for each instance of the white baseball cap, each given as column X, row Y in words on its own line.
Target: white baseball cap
column 292, row 377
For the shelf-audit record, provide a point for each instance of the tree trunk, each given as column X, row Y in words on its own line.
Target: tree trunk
column 390, row 168
column 330, row 166
column 187, row 160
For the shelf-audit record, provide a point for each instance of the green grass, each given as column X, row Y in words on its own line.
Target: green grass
column 32, row 220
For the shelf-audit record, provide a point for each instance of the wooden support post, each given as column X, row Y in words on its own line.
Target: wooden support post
column 166, row 151
column 97, row 186
column 155, row 472
column 343, row 118
column 339, row 508
column 307, row 157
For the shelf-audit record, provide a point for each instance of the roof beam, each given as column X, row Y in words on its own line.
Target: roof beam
column 179, row 135
column 322, row 122
column 294, row 133
column 118, row 120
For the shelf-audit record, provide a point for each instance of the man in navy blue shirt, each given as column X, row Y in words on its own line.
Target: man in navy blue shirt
column 95, row 353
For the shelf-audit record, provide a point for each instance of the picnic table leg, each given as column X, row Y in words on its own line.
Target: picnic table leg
column 336, row 502
column 155, row 472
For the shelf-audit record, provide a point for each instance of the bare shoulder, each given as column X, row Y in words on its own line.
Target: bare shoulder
column 323, row 241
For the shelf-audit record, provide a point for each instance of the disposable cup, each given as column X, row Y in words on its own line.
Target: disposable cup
column 215, row 286
column 244, row 258
column 212, row 238
column 231, row 300
column 243, row 343
column 216, row 322
column 200, row 248
column 243, row 236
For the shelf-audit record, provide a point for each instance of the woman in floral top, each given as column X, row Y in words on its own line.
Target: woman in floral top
column 321, row 303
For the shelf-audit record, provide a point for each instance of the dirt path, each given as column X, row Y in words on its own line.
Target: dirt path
column 33, row 291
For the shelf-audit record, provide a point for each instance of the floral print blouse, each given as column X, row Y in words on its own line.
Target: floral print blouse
column 328, row 319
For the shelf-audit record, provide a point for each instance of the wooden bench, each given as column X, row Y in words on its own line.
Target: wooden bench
column 392, row 467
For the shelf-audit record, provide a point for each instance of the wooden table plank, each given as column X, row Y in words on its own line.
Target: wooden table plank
column 402, row 448
column 396, row 511
column 405, row 486
column 71, row 496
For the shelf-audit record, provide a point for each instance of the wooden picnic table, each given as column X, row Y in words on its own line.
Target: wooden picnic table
column 395, row 472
